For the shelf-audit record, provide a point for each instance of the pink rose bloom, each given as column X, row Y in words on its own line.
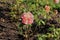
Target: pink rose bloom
column 47, row 8
column 56, row 1
column 27, row 18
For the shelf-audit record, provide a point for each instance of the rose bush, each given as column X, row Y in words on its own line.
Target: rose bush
column 34, row 15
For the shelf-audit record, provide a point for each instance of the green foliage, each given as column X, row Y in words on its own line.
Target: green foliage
column 54, row 35
column 37, row 7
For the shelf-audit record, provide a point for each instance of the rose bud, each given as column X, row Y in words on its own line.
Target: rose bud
column 56, row 1
column 56, row 11
column 47, row 8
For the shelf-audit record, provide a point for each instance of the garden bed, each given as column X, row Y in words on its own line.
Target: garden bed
column 9, row 29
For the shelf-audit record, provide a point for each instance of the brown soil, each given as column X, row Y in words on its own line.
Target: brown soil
column 8, row 30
